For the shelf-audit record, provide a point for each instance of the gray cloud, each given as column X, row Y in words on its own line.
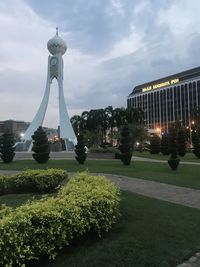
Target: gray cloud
column 114, row 45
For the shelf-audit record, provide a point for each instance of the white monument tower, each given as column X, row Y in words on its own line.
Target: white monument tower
column 57, row 47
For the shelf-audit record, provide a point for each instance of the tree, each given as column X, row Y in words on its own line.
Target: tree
column 41, row 146
column 154, row 144
column 181, row 142
column 135, row 119
column 196, row 117
column 97, row 124
column 80, row 149
column 196, row 143
column 77, row 123
column 120, row 116
column 126, row 148
column 7, row 147
column 109, row 114
column 164, row 145
column 173, row 149
column 135, row 115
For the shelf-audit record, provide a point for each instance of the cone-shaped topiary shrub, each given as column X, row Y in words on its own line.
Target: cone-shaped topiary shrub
column 164, row 145
column 173, row 149
column 125, row 147
column 6, row 147
column 80, row 149
column 181, row 142
column 41, row 146
column 154, row 144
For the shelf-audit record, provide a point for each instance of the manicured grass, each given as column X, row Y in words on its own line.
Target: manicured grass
column 185, row 175
column 189, row 157
column 149, row 233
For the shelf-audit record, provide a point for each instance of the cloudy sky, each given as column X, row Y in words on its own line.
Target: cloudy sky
column 113, row 45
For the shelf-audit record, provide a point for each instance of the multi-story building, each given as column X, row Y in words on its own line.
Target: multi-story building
column 12, row 126
column 167, row 100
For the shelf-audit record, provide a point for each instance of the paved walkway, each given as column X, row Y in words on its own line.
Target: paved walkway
column 172, row 193
column 164, row 161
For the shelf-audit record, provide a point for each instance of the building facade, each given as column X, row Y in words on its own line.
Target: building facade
column 167, row 100
column 15, row 127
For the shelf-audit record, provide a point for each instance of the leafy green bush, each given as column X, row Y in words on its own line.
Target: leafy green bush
column 154, row 144
column 80, row 149
column 32, row 181
column 173, row 148
column 41, row 146
column 7, row 147
column 173, row 163
column 4, row 210
column 44, row 226
column 125, row 147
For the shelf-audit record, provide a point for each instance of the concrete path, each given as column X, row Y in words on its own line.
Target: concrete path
column 175, row 194
column 163, row 161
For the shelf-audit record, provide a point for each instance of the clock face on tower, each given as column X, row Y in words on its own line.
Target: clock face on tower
column 53, row 61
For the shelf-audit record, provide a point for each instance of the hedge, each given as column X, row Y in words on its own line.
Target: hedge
column 45, row 226
column 41, row 181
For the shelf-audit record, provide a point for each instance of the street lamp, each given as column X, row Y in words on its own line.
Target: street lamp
column 158, row 130
column 190, row 132
column 21, row 136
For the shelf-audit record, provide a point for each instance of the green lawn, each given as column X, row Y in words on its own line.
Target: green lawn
column 150, row 233
column 188, row 156
column 185, row 175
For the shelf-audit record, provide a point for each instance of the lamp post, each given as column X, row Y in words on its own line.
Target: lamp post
column 190, row 132
column 158, row 130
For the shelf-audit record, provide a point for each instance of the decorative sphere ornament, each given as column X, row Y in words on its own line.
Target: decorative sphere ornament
column 56, row 45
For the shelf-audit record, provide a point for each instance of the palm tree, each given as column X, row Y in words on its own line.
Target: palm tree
column 76, row 122
column 120, row 117
column 135, row 119
column 135, row 115
column 109, row 113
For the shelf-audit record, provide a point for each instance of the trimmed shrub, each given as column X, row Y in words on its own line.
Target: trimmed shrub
column 173, row 163
column 5, row 210
column 164, row 145
column 80, row 150
column 181, row 142
column 126, row 148
column 154, row 144
column 173, row 148
column 45, row 226
column 41, row 146
column 7, row 147
column 42, row 181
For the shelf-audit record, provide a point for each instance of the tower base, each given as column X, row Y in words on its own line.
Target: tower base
column 26, row 146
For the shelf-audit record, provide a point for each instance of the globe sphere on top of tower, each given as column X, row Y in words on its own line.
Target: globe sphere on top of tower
column 56, row 45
